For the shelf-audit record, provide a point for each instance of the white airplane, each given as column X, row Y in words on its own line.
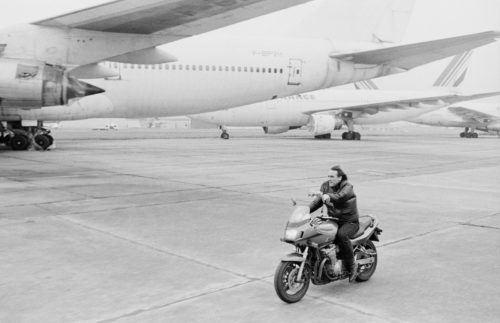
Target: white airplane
column 202, row 75
column 328, row 110
column 471, row 116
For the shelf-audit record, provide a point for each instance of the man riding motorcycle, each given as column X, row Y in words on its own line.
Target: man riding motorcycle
column 338, row 195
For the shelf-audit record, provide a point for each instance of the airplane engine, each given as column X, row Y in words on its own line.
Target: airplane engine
column 322, row 124
column 33, row 84
column 275, row 130
column 494, row 126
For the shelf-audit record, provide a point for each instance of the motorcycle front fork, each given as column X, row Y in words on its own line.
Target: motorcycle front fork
column 301, row 269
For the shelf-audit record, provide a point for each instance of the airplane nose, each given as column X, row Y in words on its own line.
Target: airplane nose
column 78, row 89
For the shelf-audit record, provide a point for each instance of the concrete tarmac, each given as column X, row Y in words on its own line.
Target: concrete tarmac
column 145, row 225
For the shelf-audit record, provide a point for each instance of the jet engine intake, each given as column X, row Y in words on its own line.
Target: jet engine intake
column 322, row 124
column 32, row 84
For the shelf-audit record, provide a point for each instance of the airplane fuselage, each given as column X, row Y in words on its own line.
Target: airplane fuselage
column 210, row 75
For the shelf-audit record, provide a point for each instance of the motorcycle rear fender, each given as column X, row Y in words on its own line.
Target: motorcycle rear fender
column 294, row 257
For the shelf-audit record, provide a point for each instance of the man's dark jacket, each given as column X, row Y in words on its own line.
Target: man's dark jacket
column 344, row 202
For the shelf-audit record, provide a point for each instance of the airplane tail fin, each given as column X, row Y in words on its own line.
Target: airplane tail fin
column 366, row 85
column 379, row 21
column 454, row 74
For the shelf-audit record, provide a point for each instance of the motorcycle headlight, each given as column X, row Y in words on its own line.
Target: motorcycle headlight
column 291, row 234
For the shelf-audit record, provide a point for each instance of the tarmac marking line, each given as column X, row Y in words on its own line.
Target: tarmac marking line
column 162, row 306
column 156, row 249
column 480, row 226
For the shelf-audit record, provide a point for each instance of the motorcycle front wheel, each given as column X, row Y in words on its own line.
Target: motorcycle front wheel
column 286, row 283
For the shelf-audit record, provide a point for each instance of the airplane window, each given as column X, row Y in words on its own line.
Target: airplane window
column 146, row 66
column 139, row 66
column 115, row 65
column 298, row 72
column 275, row 70
column 160, row 66
column 153, row 67
column 251, row 69
column 174, row 67
column 257, row 69
column 220, row 68
column 167, row 66
column 263, row 70
column 281, row 71
column 269, row 70
column 187, row 67
column 245, row 69
column 200, row 67
column 232, row 69
column 214, row 68
column 194, row 67
column 180, row 67
column 227, row 68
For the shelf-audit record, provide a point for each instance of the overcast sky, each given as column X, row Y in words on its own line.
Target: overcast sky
column 431, row 19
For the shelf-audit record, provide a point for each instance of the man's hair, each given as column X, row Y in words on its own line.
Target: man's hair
column 340, row 172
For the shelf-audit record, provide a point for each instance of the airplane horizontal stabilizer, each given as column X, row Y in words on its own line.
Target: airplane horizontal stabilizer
column 472, row 115
column 411, row 55
column 412, row 102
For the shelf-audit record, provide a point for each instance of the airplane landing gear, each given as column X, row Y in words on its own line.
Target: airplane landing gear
column 224, row 134
column 18, row 137
column 469, row 134
column 351, row 135
column 349, row 121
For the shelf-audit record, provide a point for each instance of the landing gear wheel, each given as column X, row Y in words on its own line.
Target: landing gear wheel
column 463, row 135
column 367, row 270
column 19, row 141
column 43, row 141
column 224, row 135
column 474, row 135
column 357, row 136
column 285, row 281
column 348, row 135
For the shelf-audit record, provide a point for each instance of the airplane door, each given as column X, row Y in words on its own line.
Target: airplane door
column 294, row 71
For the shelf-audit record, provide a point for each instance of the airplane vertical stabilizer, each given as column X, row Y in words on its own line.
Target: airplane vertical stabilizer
column 454, row 74
column 377, row 21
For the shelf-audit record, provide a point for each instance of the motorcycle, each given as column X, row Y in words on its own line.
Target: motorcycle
column 315, row 259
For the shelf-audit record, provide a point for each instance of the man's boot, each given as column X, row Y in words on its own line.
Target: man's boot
column 352, row 268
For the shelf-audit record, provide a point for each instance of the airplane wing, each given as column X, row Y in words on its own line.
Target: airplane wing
column 470, row 115
column 181, row 18
column 411, row 55
column 415, row 102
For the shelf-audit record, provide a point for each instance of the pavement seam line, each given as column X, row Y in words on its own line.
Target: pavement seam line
column 143, row 245
column 161, row 306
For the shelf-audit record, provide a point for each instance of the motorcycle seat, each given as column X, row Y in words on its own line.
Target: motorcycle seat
column 364, row 223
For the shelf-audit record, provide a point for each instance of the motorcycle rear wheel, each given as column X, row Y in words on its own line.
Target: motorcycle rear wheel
column 285, row 284
column 368, row 272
